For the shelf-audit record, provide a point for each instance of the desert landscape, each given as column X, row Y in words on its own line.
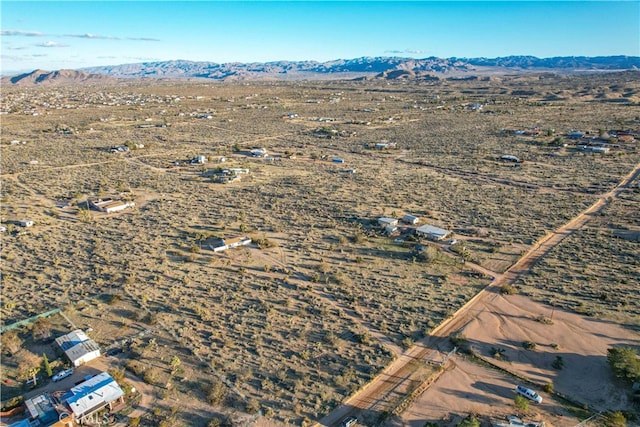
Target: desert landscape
column 230, row 240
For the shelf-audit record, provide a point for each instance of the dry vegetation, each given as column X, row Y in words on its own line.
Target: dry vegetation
column 294, row 327
column 595, row 271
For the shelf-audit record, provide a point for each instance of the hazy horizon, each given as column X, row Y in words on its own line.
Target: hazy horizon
column 55, row 35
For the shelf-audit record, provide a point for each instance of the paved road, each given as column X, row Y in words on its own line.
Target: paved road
column 392, row 378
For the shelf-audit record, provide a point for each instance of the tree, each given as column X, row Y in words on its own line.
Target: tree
column 117, row 374
column 41, row 328
column 624, row 362
column 253, row 406
column 11, row 342
column 522, row 403
column 85, row 215
column 33, row 372
column 469, row 422
column 46, row 365
column 175, row 364
column 615, row 419
column 217, row 393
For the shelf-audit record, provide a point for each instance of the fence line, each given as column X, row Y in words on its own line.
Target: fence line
column 29, row 320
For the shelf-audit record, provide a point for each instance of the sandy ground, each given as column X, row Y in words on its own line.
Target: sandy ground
column 469, row 388
column 505, row 322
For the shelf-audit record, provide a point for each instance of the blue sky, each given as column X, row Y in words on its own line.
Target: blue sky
column 73, row 34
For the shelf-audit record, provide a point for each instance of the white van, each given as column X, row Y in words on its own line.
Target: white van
column 529, row 394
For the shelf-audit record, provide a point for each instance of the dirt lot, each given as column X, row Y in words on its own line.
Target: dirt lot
column 505, row 323
column 467, row 388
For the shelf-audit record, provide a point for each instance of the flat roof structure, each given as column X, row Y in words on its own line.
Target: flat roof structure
column 78, row 347
column 110, row 205
column 42, row 408
column 92, row 395
column 433, row 232
column 387, row 221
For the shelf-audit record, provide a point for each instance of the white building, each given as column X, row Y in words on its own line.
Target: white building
column 259, row 152
column 26, row 223
column 109, row 205
column 78, row 347
column 410, row 219
column 93, row 395
column 231, row 243
column 384, row 221
column 199, row 160
column 432, row 232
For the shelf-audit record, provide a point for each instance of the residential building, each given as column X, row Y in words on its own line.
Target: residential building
column 92, row 395
column 223, row 244
column 259, row 152
column 432, row 232
column 410, row 219
column 384, row 221
column 110, row 205
column 78, row 347
column 509, row 158
column 594, row 149
column 76, row 406
column 199, row 160
column 42, row 410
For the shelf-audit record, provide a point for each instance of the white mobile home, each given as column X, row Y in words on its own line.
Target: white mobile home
column 432, row 232
column 384, row 221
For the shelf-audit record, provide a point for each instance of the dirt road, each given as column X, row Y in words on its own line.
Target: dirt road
column 366, row 403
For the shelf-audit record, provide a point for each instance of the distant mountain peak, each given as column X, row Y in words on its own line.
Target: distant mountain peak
column 59, row 77
column 370, row 67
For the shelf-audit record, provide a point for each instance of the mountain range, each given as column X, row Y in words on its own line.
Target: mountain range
column 365, row 67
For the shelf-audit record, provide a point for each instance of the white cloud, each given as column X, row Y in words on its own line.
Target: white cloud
column 21, row 33
column 103, row 37
column 91, row 36
column 52, row 44
column 144, row 39
column 405, row 52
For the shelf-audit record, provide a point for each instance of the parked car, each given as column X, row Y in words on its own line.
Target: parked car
column 349, row 421
column 62, row 375
column 113, row 352
column 529, row 394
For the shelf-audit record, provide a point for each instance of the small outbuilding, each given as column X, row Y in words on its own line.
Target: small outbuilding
column 576, row 135
column 199, row 160
column 230, row 243
column 25, row 223
column 410, row 219
column 390, row 229
column 509, row 158
column 384, row 221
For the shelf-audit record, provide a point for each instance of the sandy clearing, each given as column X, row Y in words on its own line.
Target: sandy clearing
column 469, row 388
column 506, row 322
